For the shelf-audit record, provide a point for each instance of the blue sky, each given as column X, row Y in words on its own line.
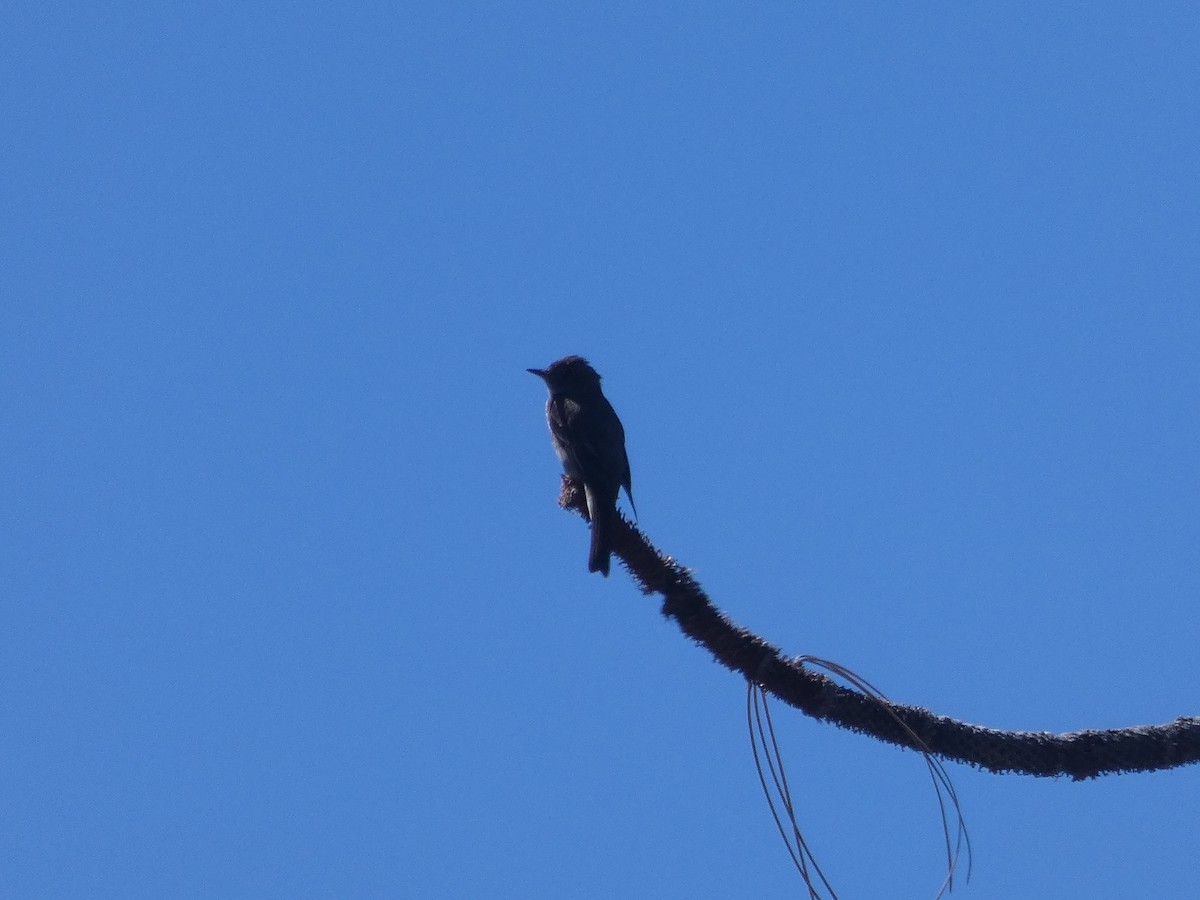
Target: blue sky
column 899, row 308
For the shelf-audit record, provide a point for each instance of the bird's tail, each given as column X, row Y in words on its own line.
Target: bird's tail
column 601, row 514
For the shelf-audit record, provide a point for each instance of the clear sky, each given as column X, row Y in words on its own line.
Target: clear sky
column 900, row 308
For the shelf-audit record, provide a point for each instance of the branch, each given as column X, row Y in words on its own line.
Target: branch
column 1079, row 754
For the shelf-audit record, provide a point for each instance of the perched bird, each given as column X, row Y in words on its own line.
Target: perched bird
column 590, row 443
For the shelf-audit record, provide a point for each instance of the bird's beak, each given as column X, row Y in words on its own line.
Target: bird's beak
column 540, row 373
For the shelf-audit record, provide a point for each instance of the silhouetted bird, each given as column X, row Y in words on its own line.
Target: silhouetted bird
column 590, row 442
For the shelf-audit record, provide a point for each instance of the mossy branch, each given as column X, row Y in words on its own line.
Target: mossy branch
column 1078, row 754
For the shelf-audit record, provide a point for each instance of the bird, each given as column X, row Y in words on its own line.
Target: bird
column 590, row 444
